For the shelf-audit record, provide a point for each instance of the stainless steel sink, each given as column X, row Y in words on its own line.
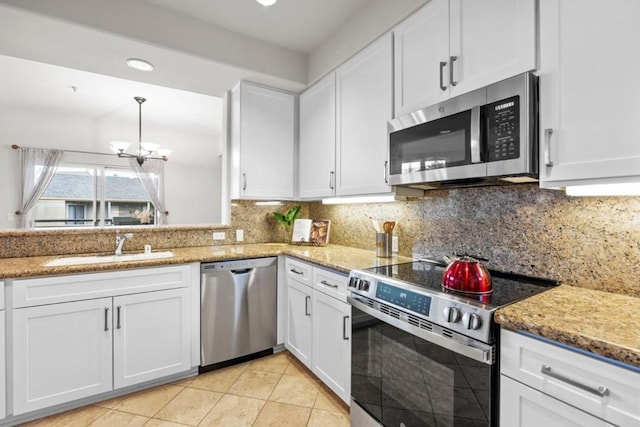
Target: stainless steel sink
column 101, row 259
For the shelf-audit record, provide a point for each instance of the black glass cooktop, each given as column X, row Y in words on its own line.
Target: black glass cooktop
column 507, row 288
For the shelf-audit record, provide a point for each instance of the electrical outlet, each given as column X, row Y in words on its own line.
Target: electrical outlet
column 239, row 235
column 394, row 244
column 218, row 235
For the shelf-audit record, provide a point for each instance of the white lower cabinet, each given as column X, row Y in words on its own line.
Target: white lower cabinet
column 152, row 336
column 544, row 384
column 61, row 352
column 103, row 338
column 524, row 406
column 331, row 343
column 319, row 323
column 298, row 335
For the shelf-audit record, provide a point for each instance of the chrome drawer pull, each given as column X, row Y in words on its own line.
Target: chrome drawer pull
column 324, row 282
column 601, row 391
column 451, row 81
column 306, row 305
column 106, row 319
column 293, row 270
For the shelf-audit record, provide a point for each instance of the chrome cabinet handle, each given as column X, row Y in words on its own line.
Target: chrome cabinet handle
column 331, row 178
column 451, row 81
column 118, row 317
column 547, row 147
column 244, row 181
column 442, row 65
column 294, row 271
column 331, row 285
column 306, row 305
column 601, row 391
column 344, row 328
column 386, row 174
column 106, row 319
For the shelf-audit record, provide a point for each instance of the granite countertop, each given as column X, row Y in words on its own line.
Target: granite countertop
column 603, row 323
column 340, row 258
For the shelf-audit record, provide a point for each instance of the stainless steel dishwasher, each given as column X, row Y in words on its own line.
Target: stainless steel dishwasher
column 238, row 309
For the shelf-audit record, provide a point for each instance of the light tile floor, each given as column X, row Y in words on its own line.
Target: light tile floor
column 275, row 390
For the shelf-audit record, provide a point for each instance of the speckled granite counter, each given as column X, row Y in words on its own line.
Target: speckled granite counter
column 604, row 323
column 339, row 258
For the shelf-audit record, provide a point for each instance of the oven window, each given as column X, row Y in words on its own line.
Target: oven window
column 401, row 379
column 432, row 145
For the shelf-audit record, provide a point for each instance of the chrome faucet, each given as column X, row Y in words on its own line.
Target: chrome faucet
column 120, row 241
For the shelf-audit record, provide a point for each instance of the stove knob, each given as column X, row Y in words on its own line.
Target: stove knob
column 471, row 321
column 363, row 285
column 353, row 282
column 451, row 314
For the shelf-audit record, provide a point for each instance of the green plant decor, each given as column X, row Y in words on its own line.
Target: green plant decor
column 287, row 219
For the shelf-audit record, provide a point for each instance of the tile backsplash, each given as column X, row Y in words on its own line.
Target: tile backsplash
column 593, row 242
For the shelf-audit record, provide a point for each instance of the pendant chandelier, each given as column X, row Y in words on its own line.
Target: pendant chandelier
column 145, row 149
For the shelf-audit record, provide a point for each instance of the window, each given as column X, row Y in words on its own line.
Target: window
column 91, row 195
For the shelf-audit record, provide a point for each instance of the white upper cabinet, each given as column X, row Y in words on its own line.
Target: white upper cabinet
column 589, row 111
column 317, row 144
column 421, row 49
column 262, row 137
column 364, row 105
column 450, row 47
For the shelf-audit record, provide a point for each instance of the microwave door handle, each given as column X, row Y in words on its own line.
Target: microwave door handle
column 475, row 135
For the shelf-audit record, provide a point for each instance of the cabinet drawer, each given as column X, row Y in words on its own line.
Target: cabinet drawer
column 573, row 378
column 298, row 270
column 330, row 283
column 50, row 290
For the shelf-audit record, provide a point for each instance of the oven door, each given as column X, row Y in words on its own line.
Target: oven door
column 400, row 379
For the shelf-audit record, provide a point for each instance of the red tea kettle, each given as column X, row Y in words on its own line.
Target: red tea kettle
column 466, row 274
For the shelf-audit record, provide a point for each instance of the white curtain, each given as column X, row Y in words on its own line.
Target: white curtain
column 37, row 167
column 151, row 175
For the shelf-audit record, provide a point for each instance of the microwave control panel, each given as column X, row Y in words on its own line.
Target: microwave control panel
column 503, row 129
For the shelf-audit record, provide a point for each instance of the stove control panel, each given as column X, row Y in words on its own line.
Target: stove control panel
column 449, row 311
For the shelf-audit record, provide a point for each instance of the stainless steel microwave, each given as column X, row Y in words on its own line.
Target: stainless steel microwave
column 488, row 136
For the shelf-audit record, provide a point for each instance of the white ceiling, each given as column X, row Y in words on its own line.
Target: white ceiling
column 83, row 43
column 297, row 25
column 36, row 86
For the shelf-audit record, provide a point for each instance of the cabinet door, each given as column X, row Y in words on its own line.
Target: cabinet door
column 421, row 42
column 298, row 335
column 331, row 343
column 318, row 139
column 491, row 40
column 266, row 138
column 3, row 366
column 364, row 88
column 522, row 406
column 61, row 352
column 152, row 336
column 587, row 88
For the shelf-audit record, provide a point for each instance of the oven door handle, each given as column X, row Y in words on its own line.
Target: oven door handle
column 479, row 352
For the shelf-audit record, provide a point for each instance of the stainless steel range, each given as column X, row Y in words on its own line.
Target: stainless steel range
column 422, row 355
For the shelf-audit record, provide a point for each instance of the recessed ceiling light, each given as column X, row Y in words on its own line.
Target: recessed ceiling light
column 267, row 2
column 140, row 64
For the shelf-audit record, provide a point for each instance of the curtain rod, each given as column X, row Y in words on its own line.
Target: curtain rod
column 15, row 147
